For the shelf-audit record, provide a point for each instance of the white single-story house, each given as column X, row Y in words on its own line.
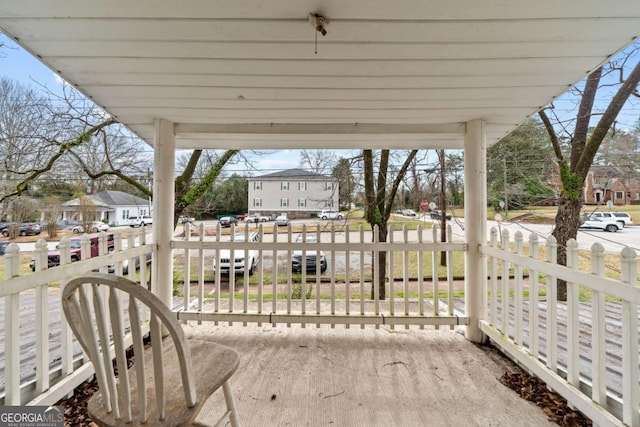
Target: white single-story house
column 114, row 206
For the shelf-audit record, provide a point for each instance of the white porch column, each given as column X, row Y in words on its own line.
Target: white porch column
column 475, row 220
column 163, row 202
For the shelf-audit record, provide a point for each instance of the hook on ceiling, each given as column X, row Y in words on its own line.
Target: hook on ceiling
column 318, row 22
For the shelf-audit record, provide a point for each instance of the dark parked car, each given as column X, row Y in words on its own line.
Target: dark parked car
column 3, row 247
column 437, row 213
column 311, row 256
column 226, row 221
column 185, row 219
column 26, row 229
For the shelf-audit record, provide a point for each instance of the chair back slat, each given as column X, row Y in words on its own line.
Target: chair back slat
column 156, row 335
column 103, row 340
column 81, row 318
column 139, row 366
column 117, row 329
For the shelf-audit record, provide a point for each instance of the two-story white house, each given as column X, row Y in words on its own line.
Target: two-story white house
column 294, row 192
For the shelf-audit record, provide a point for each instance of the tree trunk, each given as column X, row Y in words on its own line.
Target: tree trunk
column 567, row 224
column 382, row 267
column 443, row 208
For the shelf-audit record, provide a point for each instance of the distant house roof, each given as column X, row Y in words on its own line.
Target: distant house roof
column 607, row 171
column 111, row 198
column 291, row 174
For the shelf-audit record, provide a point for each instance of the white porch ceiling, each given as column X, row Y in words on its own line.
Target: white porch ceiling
column 396, row 74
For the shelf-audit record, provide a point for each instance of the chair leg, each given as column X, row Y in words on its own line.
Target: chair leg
column 231, row 404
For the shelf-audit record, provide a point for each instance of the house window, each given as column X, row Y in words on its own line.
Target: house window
column 302, row 203
column 257, row 203
column 302, row 186
column 284, row 186
column 257, row 185
column 328, row 186
column 284, row 203
column 619, row 195
column 125, row 213
column 637, row 196
column 328, row 203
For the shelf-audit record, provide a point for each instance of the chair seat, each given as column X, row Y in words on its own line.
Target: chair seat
column 212, row 363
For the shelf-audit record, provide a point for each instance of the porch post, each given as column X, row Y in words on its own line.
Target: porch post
column 475, row 220
column 163, row 202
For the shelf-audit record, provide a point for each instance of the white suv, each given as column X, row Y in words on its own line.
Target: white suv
column 239, row 263
column 621, row 217
column 139, row 221
column 329, row 214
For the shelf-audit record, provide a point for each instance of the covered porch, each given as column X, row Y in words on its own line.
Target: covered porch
column 367, row 377
column 403, row 75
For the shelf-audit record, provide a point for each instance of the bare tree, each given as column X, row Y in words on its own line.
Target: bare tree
column 318, row 161
column 52, row 212
column 583, row 147
column 346, row 182
column 87, row 210
column 23, row 132
column 79, row 136
column 379, row 197
column 20, row 210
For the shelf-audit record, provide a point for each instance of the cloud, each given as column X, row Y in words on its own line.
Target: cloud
column 60, row 80
column 281, row 159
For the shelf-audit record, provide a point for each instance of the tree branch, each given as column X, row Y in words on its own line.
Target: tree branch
column 552, row 135
column 607, row 119
column 398, row 180
column 62, row 150
column 207, row 181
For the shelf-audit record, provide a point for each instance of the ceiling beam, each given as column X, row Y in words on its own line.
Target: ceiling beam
column 194, row 129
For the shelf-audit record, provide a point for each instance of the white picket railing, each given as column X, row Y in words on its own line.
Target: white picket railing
column 585, row 348
column 42, row 363
column 342, row 295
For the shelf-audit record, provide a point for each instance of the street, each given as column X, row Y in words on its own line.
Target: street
column 612, row 242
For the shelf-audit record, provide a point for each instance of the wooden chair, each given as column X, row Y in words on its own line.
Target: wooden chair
column 168, row 382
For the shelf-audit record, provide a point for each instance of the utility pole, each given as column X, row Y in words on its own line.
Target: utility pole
column 443, row 207
column 506, row 194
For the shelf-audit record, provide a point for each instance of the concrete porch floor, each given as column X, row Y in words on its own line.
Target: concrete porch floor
column 364, row 377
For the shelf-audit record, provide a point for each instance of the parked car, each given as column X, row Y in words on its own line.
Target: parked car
column 226, row 221
column 256, row 218
column 3, row 247
column 94, row 227
column 622, row 217
column 594, row 223
column 26, row 229
column 330, row 214
column 408, row 212
column 282, row 221
column 311, row 256
column 185, row 219
column 140, row 221
column 239, row 261
column 53, row 257
column 437, row 214
column 125, row 263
